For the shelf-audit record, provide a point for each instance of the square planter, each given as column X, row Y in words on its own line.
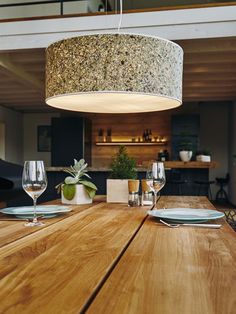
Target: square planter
column 204, row 158
column 117, row 191
column 81, row 196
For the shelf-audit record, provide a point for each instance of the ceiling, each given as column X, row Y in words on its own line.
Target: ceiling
column 209, row 74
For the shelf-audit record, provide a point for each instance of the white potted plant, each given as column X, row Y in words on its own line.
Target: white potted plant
column 75, row 189
column 203, row 155
column 122, row 169
column 185, row 155
column 185, row 152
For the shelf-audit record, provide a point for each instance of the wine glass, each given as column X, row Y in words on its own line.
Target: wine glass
column 34, row 182
column 156, row 179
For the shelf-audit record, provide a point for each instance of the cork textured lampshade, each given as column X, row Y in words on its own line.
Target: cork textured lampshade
column 114, row 73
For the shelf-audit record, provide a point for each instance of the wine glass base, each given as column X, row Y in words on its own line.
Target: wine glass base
column 34, row 224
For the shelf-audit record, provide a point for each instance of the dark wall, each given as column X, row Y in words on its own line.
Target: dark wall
column 185, row 129
column 71, row 139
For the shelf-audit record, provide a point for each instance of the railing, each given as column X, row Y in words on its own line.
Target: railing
column 22, row 4
column 34, row 3
column 30, row 8
column 38, row 9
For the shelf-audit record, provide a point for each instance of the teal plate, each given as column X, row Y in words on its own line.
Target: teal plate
column 176, row 221
column 189, row 215
column 48, row 211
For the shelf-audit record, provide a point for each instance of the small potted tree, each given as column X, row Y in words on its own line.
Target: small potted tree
column 122, row 169
column 76, row 189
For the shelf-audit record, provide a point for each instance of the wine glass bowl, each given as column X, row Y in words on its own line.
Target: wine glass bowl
column 34, row 182
column 156, row 179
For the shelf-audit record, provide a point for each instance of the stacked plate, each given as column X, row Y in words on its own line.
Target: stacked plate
column 186, row 215
column 48, row 211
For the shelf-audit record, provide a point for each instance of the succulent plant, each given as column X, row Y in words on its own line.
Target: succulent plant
column 77, row 172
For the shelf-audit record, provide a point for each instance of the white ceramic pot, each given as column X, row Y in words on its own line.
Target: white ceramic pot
column 185, row 155
column 81, row 196
column 117, row 191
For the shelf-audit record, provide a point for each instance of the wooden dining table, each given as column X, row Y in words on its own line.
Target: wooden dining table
column 111, row 258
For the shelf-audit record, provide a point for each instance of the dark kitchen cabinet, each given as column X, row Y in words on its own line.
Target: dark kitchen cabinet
column 71, row 139
column 185, row 134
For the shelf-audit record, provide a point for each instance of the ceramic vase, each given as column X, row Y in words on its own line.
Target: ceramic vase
column 185, row 155
column 81, row 196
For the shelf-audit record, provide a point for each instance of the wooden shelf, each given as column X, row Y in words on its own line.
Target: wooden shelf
column 131, row 143
column 168, row 165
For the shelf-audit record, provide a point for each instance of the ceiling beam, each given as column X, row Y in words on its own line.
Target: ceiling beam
column 217, row 76
column 219, row 92
column 19, row 91
column 209, row 83
column 20, row 73
column 223, row 45
column 212, row 68
column 210, row 57
column 209, row 90
column 210, row 98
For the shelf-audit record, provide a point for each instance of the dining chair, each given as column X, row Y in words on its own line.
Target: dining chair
column 230, row 216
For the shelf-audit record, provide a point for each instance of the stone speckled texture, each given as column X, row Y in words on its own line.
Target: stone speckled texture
column 114, row 62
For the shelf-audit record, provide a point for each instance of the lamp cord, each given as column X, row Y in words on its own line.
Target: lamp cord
column 121, row 12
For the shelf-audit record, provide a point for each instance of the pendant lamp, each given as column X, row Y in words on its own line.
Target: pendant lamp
column 114, row 73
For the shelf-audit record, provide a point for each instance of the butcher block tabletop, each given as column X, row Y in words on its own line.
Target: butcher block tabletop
column 111, row 258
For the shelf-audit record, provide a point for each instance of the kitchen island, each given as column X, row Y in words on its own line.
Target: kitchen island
column 188, row 172
column 168, row 165
column 109, row 258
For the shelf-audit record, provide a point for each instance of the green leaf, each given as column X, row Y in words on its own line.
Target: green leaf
column 89, row 184
column 58, row 187
column 89, row 187
column 70, row 172
column 86, row 175
column 68, row 191
column 91, row 192
column 71, row 180
column 78, row 171
column 79, row 165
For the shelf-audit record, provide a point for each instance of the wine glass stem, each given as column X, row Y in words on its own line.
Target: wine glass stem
column 35, row 216
column 155, row 199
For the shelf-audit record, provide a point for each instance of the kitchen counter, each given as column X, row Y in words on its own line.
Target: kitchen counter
column 110, row 258
column 191, row 164
column 189, row 172
column 168, row 165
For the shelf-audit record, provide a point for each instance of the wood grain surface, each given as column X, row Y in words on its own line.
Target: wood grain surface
column 182, row 271
column 13, row 230
column 109, row 258
column 128, row 127
column 58, row 268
